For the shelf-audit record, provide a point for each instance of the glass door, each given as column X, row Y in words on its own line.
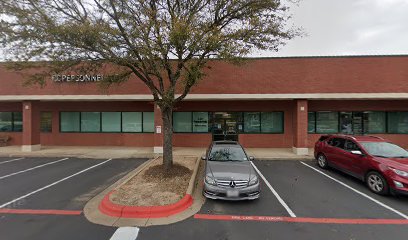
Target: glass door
column 218, row 129
column 225, row 126
column 358, row 126
column 352, row 123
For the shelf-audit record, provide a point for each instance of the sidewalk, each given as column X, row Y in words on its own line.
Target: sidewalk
column 140, row 152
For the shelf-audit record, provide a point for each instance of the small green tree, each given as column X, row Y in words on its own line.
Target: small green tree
column 165, row 43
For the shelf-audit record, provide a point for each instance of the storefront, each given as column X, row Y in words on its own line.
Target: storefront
column 271, row 102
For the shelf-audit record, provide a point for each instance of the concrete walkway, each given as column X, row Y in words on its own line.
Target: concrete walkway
column 139, row 152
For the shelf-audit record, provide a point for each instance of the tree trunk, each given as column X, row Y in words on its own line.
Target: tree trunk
column 167, row 113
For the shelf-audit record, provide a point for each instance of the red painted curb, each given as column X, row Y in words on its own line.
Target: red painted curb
column 303, row 219
column 115, row 210
column 39, row 211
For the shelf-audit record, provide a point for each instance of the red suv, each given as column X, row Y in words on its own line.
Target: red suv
column 382, row 165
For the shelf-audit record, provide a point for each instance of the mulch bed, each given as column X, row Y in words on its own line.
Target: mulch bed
column 156, row 187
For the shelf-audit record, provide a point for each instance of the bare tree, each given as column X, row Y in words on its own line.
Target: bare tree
column 165, row 43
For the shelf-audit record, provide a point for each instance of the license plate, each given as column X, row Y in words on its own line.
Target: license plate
column 232, row 193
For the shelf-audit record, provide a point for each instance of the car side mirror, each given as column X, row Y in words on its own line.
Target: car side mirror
column 203, row 157
column 357, row 152
column 251, row 158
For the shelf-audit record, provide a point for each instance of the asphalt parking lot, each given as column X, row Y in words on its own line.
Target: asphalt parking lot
column 301, row 202
column 323, row 209
column 43, row 198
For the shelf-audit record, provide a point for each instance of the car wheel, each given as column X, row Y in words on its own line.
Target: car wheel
column 377, row 183
column 322, row 161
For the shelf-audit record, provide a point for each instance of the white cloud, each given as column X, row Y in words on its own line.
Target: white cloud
column 349, row 27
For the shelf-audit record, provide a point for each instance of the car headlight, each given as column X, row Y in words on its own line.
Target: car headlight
column 210, row 180
column 399, row 172
column 253, row 181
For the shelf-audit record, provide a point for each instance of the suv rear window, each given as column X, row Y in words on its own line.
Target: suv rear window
column 322, row 138
column 337, row 142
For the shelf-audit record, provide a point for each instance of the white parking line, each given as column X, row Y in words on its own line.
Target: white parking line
column 356, row 191
column 52, row 184
column 30, row 169
column 291, row 213
column 12, row 160
column 125, row 233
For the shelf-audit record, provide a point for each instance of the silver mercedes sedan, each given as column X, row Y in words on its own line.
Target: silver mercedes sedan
column 229, row 174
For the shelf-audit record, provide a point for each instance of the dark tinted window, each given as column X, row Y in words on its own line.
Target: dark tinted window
column 337, row 142
column 351, row 146
column 322, row 138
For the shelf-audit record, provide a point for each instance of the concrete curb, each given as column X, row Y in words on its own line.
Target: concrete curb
column 298, row 158
column 103, row 211
column 115, row 210
column 191, row 184
column 123, row 211
column 88, row 156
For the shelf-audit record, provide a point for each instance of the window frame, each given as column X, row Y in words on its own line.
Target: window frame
column 338, row 122
column 52, row 116
column 100, row 121
column 12, row 119
column 387, row 121
column 260, row 120
column 60, row 129
column 120, row 121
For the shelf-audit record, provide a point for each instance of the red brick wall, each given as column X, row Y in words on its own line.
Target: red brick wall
column 361, row 105
column 198, row 140
column 98, row 139
column 86, row 139
column 16, row 137
column 275, row 75
column 247, row 140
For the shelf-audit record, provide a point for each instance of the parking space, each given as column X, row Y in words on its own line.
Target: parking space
column 4, row 160
column 301, row 201
column 59, row 186
column 324, row 209
column 307, row 192
column 311, row 194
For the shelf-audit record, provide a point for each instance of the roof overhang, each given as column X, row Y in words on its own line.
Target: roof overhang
column 213, row 97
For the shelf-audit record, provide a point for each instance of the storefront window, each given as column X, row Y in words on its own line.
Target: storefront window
column 311, row 122
column 6, row 121
column 200, row 121
column 182, row 121
column 252, row 123
column 398, row 122
column 327, row 122
column 148, row 122
column 272, row 122
column 17, row 121
column 111, row 121
column 131, row 122
column 46, row 122
column 346, row 122
column 69, row 121
column 375, row 122
column 90, row 121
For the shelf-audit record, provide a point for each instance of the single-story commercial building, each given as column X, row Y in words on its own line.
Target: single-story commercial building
column 285, row 102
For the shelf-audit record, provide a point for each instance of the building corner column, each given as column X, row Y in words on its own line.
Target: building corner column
column 158, row 130
column 31, row 126
column 300, row 139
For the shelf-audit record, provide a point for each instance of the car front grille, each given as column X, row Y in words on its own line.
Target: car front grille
column 227, row 183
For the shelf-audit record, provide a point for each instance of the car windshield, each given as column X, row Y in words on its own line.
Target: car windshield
column 227, row 153
column 384, row 149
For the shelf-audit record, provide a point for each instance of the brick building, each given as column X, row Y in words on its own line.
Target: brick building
column 266, row 103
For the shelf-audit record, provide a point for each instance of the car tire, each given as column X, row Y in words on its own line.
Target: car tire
column 377, row 183
column 322, row 161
